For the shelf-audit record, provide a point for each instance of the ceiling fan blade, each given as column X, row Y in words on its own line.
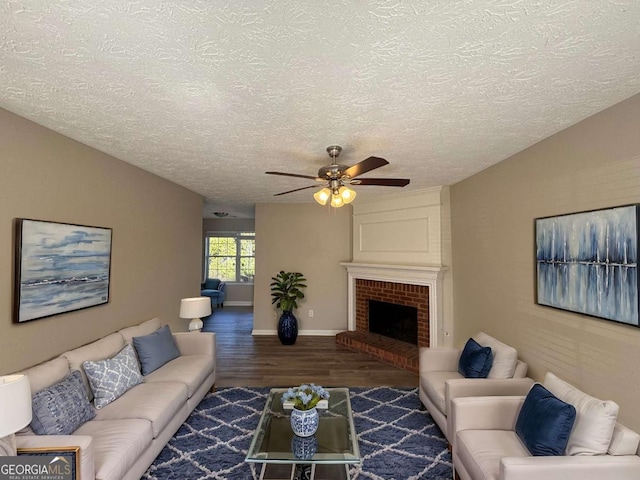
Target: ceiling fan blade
column 297, row 189
column 365, row 166
column 384, row 182
column 293, row 175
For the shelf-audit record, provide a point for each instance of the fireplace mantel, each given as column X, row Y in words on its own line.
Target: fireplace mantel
column 431, row 276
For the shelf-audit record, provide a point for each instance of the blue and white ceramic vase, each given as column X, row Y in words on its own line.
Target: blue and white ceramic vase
column 304, row 423
column 288, row 328
column 304, row 447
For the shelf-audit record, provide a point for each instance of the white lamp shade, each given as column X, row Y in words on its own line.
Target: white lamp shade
column 15, row 403
column 196, row 307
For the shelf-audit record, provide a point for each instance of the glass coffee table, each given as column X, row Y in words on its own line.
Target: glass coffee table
column 326, row 454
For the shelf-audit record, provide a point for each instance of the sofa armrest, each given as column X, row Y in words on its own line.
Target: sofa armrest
column 439, row 359
column 576, row 467
column 196, row 343
column 85, row 442
column 483, row 413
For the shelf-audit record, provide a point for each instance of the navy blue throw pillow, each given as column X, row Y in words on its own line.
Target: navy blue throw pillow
column 545, row 422
column 475, row 360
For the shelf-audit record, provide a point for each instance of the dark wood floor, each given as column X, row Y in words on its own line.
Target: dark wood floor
column 262, row 361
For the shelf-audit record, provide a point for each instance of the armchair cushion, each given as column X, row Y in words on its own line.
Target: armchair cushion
column 545, row 422
column 505, row 357
column 475, row 360
column 595, row 419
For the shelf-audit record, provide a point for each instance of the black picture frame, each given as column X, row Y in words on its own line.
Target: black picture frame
column 59, row 268
column 587, row 262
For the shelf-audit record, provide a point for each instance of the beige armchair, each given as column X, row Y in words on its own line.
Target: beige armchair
column 440, row 381
column 486, row 447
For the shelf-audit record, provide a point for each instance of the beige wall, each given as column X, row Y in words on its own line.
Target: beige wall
column 594, row 164
column 310, row 239
column 235, row 293
column 156, row 249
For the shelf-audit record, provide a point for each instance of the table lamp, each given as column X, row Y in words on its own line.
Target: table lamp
column 15, row 410
column 195, row 308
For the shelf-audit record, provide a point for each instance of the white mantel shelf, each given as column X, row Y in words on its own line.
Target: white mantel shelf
column 431, row 276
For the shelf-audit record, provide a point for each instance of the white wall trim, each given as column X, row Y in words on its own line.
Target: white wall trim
column 430, row 276
column 302, row 333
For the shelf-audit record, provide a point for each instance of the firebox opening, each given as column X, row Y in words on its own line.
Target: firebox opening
column 394, row 321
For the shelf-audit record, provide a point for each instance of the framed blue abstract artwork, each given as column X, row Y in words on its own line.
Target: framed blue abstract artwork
column 59, row 268
column 587, row 263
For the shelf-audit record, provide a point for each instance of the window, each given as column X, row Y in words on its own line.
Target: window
column 231, row 256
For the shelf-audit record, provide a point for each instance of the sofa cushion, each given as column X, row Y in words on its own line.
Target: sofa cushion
column 544, row 422
column 145, row 328
column 480, row 451
column 190, row 370
column 504, row 356
column 595, row 419
column 433, row 383
column 62, row 407
column 475, row 360
column 117, row 445
column 156, row 402
column 105, row 347
column 46, row 374
column 155, row 349
column 112, row 377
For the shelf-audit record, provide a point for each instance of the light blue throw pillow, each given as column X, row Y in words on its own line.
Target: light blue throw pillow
column 61, row 408
column 110, row 378
column 156, row 349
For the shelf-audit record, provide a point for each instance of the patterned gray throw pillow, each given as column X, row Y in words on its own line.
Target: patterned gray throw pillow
column 112, row 377
column 61, row 408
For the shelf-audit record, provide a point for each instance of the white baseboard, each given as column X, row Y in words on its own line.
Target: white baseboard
column 302, row 333
column 239, row 303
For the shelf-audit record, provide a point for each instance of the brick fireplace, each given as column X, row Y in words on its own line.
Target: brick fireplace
column 411, row 286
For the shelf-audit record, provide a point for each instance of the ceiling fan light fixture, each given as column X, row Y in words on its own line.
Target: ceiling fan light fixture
column 321, row 196
column 336, row 201
column 347, row 194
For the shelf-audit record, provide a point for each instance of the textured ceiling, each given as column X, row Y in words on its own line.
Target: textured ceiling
column 211, row 94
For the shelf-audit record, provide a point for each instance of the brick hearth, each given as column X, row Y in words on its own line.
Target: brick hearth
column 401, row 354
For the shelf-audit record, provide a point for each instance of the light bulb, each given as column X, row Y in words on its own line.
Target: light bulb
column 347, row 194
column 321, row 196
column 336, row 201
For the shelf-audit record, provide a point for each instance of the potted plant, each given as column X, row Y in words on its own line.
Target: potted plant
column 304, row 416
column 286, row 290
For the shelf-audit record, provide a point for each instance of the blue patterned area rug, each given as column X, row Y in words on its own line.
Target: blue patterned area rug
column 397, row 440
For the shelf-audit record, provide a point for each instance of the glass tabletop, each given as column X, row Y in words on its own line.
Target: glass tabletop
column 335, row 442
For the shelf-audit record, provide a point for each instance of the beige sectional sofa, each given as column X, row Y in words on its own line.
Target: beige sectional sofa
column 126, row 435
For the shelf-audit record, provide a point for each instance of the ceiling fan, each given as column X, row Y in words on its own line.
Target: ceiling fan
column 336, row 178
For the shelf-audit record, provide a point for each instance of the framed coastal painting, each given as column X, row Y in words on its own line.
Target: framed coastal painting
column 587, row 263
column 59, row 268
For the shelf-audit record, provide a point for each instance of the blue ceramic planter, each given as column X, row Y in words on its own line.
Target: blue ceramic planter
column 304, row 423
column 288, row 328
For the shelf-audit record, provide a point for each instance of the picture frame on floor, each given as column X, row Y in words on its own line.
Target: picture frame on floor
column 60, row 462
column 59, row 268
column 587, row 263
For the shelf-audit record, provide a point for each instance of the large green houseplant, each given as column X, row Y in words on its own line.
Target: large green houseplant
column 286, row 289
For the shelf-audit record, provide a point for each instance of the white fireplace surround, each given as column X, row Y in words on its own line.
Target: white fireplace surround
column 409, row 274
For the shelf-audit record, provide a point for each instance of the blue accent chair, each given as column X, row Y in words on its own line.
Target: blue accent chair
column 214, row 289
